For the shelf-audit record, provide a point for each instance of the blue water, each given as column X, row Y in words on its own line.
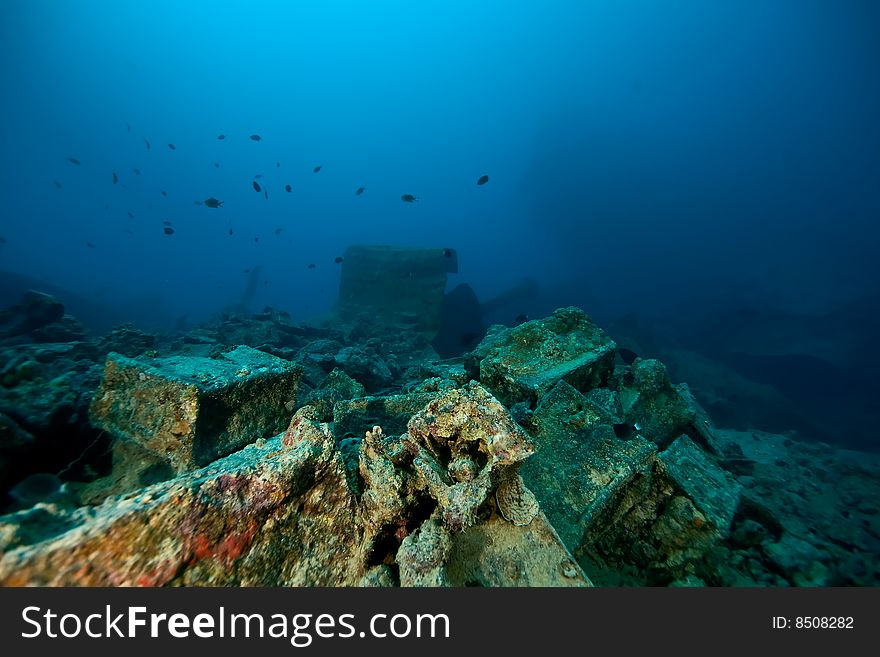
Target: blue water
column 679, row 163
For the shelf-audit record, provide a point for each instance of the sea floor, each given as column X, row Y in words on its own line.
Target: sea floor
column 825, row 499
column 799, row 512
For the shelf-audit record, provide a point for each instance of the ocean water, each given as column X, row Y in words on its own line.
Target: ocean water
column 703, row 179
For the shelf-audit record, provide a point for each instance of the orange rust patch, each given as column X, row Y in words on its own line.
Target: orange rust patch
column 202, row 547
column 228, row 548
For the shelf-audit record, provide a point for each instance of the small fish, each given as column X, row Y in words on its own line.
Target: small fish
column 216, row 165
column 316, row 169
column 128, row 230
column 168, row 230
column 166, row 223
column 257, row 187
column 338, row 260
column 246, row 271
column 278, row 165
column 2, row 240
column 58, row 184
column 213, row 203
column 311, row 265
column 221, row 137
column 265, row 282
column 137, row 171
column 172, row 147
column 147, row 142
column 359, row 191
column 256, row 138
column 288, row 189
column 448, row 253
column 482, row 180
column 627, row 355
column 115, row 178
column 230, row 231
column 278, row 231
column 266, row 193
column 35, row 488
column 520, row 319
column 128, row 127
column 409, row 198
column 73, row 160
column 256, row 239
column 164, row 193
column 258, row 176
column 130, row 215
column 90, row 245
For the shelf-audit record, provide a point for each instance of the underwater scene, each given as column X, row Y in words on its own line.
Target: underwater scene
column 340, row 293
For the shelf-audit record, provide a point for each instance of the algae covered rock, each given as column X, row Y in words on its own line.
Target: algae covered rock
column 128, row 341
column 463, row 443
column 365, row 366
column 650, row 400
column 445, row 504
column 264, row 516
column 336, row 386
column 495, row 552
column 422, row 554
column 66, row 329
column 677, row 527
column 715, row 492
column 440, row 504
column 317, row 359
column 581, row 473
column 12, row 436
column 702, row 430
column 522, row 363
column 553, row 461
column 33, row 311
column 620, row 507
column 607, row 403
column 42, row 398
column 192, row 410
